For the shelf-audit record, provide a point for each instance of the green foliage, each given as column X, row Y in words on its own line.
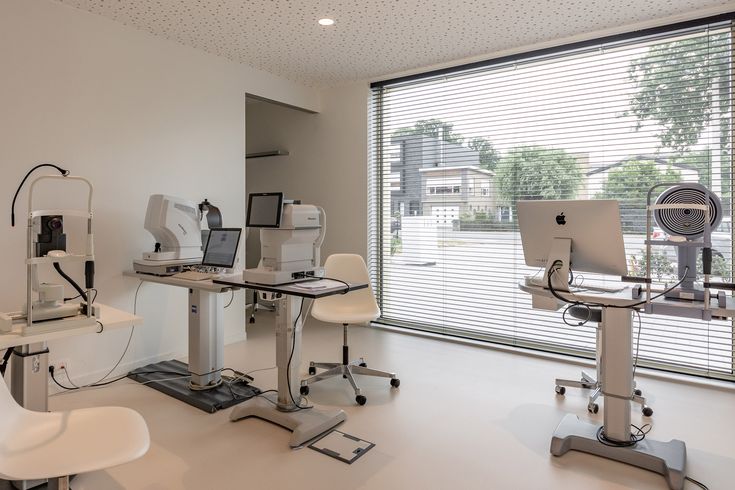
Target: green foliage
column 535, row 172
column 720, row 267
column 701, row 161
column 660, row 265
column 432, row 127
column 489, row 156
column 396, row 245
column 681, row 84
column 629, row 184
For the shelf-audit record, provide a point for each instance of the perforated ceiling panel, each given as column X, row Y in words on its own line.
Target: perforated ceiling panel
column 373, row 38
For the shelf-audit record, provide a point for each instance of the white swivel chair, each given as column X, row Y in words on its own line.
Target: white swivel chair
column 354, row 307
column 54, row 445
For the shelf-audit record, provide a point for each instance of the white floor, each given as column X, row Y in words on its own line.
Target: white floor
column 464, row 418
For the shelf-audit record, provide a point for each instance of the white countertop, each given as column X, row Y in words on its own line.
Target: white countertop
column 624, row 297
column 110, row 317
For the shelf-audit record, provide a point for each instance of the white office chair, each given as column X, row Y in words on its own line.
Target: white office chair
column 54, row 445
column 587, row 382
column 354, row 307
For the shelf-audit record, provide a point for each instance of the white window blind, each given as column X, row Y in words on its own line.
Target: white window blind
column 452, row 152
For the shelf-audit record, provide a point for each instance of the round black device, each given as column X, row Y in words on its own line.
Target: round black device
column 687, row 222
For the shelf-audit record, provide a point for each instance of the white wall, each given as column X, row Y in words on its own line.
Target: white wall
column 136, row 115
column 326, row 165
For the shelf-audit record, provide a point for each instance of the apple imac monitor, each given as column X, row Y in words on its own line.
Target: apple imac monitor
column 264, row 210
column 221, row 248
column 582, row 235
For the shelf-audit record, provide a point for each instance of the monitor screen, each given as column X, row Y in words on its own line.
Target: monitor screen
column 221, row 248
column 264, row 210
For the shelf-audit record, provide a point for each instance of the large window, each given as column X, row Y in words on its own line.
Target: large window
column 453, row 151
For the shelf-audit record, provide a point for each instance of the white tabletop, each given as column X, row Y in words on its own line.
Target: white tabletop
column 624, row 297
column 294, row 289
column 206, row 285
column 109, row 317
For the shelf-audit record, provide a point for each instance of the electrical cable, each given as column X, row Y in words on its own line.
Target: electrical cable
column 637, row 342
column 125, row 351
column 635, row 438
column 71, row 281
column 347, row 284
column 232, row 297
column 62, row 171
column 94, row 298
column 697, row 482
column 247, row 375
column 6, row 358
column 290, row 357
column 602, row 305
column 579, row 324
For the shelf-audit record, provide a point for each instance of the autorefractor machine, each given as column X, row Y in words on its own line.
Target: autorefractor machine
column 291, row 236
column 174, row 223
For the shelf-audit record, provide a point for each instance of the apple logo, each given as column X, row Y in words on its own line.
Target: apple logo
column 561, row 219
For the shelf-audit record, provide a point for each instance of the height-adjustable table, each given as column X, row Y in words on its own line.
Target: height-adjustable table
column 286, row 408
column 204, row 389
column 616, row 369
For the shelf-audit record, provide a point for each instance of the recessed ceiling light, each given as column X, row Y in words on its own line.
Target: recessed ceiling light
column 326, row 22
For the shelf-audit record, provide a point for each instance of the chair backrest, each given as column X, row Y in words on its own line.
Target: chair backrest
column 353, row 307
column 9, row 410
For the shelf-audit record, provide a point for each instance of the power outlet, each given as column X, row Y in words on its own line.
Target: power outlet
column 60, row 364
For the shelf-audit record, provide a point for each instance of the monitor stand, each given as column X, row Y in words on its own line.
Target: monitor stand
column 560, row 252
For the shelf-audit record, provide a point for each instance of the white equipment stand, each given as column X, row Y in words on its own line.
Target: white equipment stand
column 305, row 423
column 206, row 347
column 666, row 458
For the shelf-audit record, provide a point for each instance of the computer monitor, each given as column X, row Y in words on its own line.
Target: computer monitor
column 584, row 235
column 221, row 248
column 264, row 210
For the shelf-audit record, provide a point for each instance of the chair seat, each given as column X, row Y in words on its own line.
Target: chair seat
column 336, row 312
column 48, row 445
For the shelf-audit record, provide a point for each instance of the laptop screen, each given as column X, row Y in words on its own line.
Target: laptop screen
column 221, row 248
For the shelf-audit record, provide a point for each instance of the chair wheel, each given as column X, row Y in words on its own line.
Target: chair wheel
column 637, row 392
column 360, row 399
column 647, row 411
column 304, row 390
column 312, row 370
column 363, row 364
column 560, row 390
column 395, row 382
column 593, row 408
column 252, row 319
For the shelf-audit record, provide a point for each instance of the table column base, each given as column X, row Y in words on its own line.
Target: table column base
column 305, row 424
column 666, row 458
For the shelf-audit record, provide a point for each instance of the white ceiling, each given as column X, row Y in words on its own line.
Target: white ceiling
column 373, row 38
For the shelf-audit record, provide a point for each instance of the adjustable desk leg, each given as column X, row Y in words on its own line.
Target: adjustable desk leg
column 666, row 458
column 29, row 386
column 306, row 424
column 288, row 339
column 617, row 371
column 206, row 338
